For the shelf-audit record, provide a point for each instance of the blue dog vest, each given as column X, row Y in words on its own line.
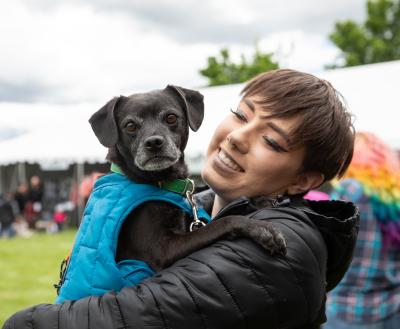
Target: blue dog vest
column 92, row 269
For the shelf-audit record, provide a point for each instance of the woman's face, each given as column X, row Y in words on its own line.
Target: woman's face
column 249, row 155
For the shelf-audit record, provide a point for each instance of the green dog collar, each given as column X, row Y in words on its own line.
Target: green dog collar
column 180, row 186
column 116, row 169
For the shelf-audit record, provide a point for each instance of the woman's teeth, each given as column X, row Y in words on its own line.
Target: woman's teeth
column 228, row 161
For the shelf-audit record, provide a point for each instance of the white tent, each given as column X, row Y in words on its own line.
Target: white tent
column 60, row 135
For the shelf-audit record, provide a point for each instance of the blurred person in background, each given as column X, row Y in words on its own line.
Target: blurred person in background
column 7, row 215
column 59, row 216
column 21, row 196
column 33, row 207
column 86, row 186
column 369, row 295
column 36, row 192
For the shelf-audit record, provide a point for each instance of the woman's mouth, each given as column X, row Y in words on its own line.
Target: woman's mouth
column 228, row 161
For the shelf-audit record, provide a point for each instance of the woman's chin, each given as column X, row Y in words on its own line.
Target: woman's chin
column 224, row 181
column 221, row 187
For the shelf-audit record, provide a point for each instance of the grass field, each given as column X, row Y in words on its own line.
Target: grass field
column 28, row 269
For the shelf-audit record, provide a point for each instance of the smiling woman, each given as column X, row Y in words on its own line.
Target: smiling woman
column 248, row 152
column 289, row 134
column 276, row 141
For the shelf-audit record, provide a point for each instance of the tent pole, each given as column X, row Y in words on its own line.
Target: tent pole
column 21, row 172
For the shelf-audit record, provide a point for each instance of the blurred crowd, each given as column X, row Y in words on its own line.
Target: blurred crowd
column 35, row 207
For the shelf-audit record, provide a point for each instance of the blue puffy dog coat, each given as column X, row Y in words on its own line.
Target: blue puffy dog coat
column 92, row 269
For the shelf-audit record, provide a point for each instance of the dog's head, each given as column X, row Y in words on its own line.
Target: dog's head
column 149, row 130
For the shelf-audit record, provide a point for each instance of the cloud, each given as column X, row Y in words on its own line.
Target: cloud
column 215, row 21
column 75, row 51
column 85, row 55
column 24, row 91
column 300, row 50
column 10, row 132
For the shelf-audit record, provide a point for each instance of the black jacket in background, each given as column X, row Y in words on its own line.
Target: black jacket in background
column 230, row 284
column 7, row 216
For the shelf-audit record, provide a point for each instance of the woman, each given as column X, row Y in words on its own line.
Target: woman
column 369, row 295
column 289, row 134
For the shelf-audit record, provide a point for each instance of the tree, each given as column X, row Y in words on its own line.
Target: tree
column 222, row 71
column 376, row 40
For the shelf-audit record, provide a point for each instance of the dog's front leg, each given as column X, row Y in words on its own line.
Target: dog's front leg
column 230, row 227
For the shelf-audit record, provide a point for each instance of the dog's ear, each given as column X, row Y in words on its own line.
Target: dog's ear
column 194, row 105
column 104, row 125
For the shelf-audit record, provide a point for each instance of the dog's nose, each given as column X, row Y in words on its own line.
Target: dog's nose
column 154, row 142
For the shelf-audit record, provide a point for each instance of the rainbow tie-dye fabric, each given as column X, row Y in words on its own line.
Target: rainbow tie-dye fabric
column 377, row 168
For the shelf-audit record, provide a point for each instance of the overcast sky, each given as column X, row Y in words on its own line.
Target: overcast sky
column 73, row 51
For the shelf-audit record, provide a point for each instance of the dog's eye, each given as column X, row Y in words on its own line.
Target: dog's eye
column 171, row 119
column 130, row 127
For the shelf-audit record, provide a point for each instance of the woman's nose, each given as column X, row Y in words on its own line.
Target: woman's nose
column 237, row 140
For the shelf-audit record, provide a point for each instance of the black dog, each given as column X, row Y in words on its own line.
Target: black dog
column 146, row 135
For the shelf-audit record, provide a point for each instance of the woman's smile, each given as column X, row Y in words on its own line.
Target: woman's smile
column 225, row 163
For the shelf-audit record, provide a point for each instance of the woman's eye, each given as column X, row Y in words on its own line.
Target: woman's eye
column 130, row 127
column 271, row 142
column 171, row 119
column 239, row 115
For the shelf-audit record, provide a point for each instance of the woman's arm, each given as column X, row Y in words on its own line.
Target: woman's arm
column 231, row 284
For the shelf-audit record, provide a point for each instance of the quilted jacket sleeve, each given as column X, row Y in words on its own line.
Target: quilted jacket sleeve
column 231, row 284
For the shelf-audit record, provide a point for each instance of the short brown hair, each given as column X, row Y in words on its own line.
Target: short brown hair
column 326, row 130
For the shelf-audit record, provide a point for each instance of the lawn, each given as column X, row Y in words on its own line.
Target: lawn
column 28, row 269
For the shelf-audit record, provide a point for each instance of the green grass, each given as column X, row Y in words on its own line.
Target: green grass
column 28, row 269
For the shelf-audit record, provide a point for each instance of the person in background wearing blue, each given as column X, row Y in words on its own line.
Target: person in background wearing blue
column 289, row 134
column 369, row 295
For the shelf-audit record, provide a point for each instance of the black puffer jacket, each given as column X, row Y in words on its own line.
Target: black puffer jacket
column 231, row 284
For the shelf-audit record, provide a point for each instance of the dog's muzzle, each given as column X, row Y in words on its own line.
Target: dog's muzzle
column 157, row 153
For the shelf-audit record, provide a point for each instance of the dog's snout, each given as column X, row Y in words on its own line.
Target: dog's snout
column 154, row 142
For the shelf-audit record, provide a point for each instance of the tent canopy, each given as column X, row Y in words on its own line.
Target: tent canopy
column 60, row 134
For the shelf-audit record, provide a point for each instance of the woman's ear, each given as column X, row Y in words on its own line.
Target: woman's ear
column 306, row 182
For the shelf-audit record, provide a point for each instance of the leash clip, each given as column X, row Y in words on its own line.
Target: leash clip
column 63, row 272
column 196, row 223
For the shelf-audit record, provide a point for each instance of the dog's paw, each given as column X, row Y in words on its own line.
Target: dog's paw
column 270, row 238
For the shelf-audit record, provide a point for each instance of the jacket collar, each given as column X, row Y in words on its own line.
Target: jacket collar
column 336, row 220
